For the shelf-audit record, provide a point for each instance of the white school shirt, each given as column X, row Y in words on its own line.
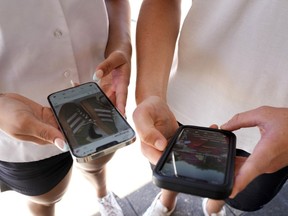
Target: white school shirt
column 44, row 45
column 232, row 57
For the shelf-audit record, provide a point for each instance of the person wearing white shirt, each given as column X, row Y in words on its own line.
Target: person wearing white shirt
column 44, row 45
column 231, row 59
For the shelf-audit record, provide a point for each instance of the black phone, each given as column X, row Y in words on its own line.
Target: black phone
column 198, row 161
column 91, row 124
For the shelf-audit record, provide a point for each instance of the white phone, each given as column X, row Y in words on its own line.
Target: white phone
column 92, row 125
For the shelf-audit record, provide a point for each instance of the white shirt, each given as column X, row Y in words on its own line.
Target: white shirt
column 44, row 45
column 232, row 58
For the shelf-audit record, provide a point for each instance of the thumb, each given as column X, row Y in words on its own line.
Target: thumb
column 45, row 132
column 247, row 173
column 147, row 131
column 113, row 61
column 152, row 137
column 245, row 176
column 61, row 144
column 52, row 135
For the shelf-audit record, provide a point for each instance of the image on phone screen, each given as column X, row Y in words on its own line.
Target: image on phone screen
column 198, row 154
column 89, row 120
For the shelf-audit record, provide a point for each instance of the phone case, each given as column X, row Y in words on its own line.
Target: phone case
column 194, row 186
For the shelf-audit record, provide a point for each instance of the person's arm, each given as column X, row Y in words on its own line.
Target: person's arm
column 114, row 72
column 119, row 27
column 156, row 35
column 271, row 152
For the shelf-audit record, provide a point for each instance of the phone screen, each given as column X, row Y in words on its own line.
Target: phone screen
column 89, row 120
column 198, row 155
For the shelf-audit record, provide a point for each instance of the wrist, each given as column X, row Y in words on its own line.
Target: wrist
column 124, row 47
column 140, row 96
column 150, row 84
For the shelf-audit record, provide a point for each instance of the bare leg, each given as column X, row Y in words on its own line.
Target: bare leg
column 95, row 172
column 44, row 205
column 168, row 198
column 41, row 209
column 214, row 206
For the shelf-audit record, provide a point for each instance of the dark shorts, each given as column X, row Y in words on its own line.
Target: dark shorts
column 260, row 191
column 35, row 178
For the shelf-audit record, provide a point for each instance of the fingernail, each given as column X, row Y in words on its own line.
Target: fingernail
column 61, row 144
column 72, row 83
column 97, row 75
column 160, row 145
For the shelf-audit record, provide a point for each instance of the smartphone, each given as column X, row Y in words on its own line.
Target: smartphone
column 198, row 161
column 91, row 124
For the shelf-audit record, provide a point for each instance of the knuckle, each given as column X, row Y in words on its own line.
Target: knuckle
column 107, row 67
column 22, row 121
column 236, row 116
column 44, row 134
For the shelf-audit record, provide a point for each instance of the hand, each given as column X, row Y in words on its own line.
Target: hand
column 114, row 73
column 26, row 120
column 271, row 152
column 155, row 123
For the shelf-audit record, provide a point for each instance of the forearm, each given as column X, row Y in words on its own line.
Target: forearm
column 157, row 32
column 119, row 27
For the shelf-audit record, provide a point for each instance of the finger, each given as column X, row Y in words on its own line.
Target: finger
column 98, row 75
column 245, row 175
column 146, row 130
column 109, row 64
column 121, row 103
column 239, row 161
column 61, row 144
column 44, row 132
column 242, row 120
column 150, row 153
column 73, row 84
column 121, row 97
column 248, row 172
column 214, row 126
column 117, row 96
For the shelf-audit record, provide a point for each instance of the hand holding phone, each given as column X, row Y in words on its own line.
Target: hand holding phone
column 92, row 125
column 198, row 161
